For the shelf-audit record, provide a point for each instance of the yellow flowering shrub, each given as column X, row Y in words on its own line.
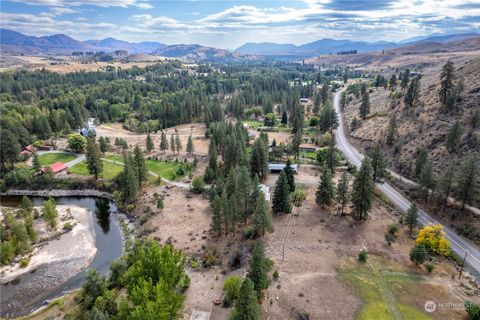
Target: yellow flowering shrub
column 433, row 237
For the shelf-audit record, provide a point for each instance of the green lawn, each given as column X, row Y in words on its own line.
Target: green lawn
column 381, row 299
column 167, row 170
column 110, row 170
column 49, row 158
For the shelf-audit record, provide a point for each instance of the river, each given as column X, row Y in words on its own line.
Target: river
column 50, row 280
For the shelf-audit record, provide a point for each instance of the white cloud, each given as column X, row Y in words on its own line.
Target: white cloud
column 98, row 3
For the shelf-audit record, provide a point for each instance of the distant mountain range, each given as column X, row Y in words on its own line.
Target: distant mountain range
column 13, row 42
column 332, row 46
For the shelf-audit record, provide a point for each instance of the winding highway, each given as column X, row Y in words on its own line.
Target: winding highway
column 458, row 244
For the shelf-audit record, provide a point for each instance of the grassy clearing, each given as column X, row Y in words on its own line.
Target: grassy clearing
column 110, row 170
column 377, row 289
column 49, row 158
column 167, row 170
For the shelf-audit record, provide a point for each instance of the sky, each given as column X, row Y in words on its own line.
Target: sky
column 229, row 24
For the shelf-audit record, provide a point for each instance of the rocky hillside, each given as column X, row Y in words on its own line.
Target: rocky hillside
column 424, row 126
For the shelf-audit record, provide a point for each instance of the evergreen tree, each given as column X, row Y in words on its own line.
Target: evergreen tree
column 243, row 188
column 140, row 165
column 262, row 217
column 259, row 159
column 405, row 79
column 343, row 100
column 391, row 130
column 468, row 181
column 446, row 81
column 411, row 217
column 36, row 163
column 246, row 306
column 284, row 118
column 259, row 266
column 281, row 195
column 163, row 142
column 103, row 145
column 418, row 254
column 9, row 148
column 362, row 192
column 94, row 163
column 342, row 191
column 365, row 106
column 149, row 144
column 454, row 137
column 27, row 204
column 422, row 158
column 50, row 212
column 393, row 82
column 129, row 180
column 172, row 143
column 475, row 119
column 378, row 160
column 426, row 180
column 178, row 143
column 413, row 92
column 325, row 192
column 212, row 168
column 190, row 144
column 290, row 175
column 217, row 216
column 445, row 185
column 330, row 159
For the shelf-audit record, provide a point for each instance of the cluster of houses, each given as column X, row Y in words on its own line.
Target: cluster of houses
column 56, row 167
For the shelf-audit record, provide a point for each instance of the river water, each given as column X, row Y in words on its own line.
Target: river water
column 32, row 290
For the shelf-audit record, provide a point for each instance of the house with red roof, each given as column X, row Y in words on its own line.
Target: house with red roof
column 55, row 168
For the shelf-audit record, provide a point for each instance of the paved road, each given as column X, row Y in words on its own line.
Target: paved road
column 459, row 245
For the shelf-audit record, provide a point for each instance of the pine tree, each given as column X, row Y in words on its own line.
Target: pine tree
column 445, row 185
column 365, row 106
column 262, row 217
column 246, row 306
column 190, row 144
column 362, row 192
column 129, row 179
column 259, row 266
column 393, row 82
column 216, row 225
column 27, row 204
column 172, row 143
column 342, row 191
column 418, row 254
column 36, row 163
column 244, row 183
column 163, row 142
column 212, row 168
column 468, row 181
column 391, row 130
column 140, row 165
column 446, row 81
column 343, row 100
column 378, row 160
column 284, row 117
column 422, row 158
column 289, row 174
column 426, row 180
column 259, row 159
column 330, row 159
column 103, row 145
column 413, row 92
column 50, row 212
column 325, row 191
column 178, row 143
column 454, row 137
column 411, row 217
column 94, row 163
column 281, row 196
column 149, row 144
column 405, row 79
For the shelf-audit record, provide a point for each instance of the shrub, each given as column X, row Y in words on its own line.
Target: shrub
column 418, row 254
column 275, row 275
column 194, row 264
column 24, row 262
column 429, row 267
column 248, row 233
column 363, row 255
column 473, row 310
column 231, row 288
column 210, row 258
column 67, row 226
column 198, row 185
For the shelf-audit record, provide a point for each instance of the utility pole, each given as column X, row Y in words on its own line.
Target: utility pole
column 463, row 265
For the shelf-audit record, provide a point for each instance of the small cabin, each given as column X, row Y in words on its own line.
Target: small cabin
column 307, row 147
column 54, row 168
